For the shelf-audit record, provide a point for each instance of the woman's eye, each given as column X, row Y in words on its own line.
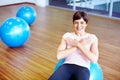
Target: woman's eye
column 82, row 22
column 76, row 23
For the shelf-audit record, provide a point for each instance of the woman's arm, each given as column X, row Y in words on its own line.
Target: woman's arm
column 93, row 54
column 62, row 51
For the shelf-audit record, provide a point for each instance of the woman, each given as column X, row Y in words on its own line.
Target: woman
column 79, row 48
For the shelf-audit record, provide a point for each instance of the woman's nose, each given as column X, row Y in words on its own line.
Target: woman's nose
column 79, row 24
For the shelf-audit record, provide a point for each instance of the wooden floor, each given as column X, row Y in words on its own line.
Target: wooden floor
column 37, row 58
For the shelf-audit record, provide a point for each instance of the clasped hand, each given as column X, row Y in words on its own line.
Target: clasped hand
column 75, row 43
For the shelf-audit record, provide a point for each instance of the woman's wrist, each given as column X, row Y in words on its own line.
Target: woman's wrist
column 79, row 45
column 74, row 48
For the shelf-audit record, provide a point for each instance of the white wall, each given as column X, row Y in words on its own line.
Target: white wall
column 41, row 3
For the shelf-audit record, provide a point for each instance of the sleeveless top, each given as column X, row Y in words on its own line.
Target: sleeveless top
column 77, row 57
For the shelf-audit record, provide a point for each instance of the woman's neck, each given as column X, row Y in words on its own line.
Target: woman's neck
column 80, row 33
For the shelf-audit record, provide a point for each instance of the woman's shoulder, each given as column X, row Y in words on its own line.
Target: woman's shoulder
column 93, row 36
column 67, row 34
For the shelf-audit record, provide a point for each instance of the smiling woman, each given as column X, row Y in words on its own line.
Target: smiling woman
column 79, row 48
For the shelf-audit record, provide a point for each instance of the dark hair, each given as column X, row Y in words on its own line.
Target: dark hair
column 80, row 14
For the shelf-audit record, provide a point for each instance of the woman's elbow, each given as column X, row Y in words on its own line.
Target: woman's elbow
column 58, row 57
column 95, row 60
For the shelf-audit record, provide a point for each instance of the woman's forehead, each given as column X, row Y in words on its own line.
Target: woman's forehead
column 79, row 20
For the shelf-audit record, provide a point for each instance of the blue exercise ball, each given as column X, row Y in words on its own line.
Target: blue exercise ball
column 28, row 13
column 95, row 70
column 14, row 32
column 59, row 64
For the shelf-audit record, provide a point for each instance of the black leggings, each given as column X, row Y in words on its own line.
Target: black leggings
column 71, row 72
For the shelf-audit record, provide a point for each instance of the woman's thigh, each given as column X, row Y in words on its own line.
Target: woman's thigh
column 63, row 73
column 82, row 73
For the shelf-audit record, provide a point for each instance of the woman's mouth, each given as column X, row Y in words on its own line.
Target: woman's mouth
column 79, row 28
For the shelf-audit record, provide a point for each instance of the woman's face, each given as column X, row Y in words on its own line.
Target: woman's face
column 79, row 25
